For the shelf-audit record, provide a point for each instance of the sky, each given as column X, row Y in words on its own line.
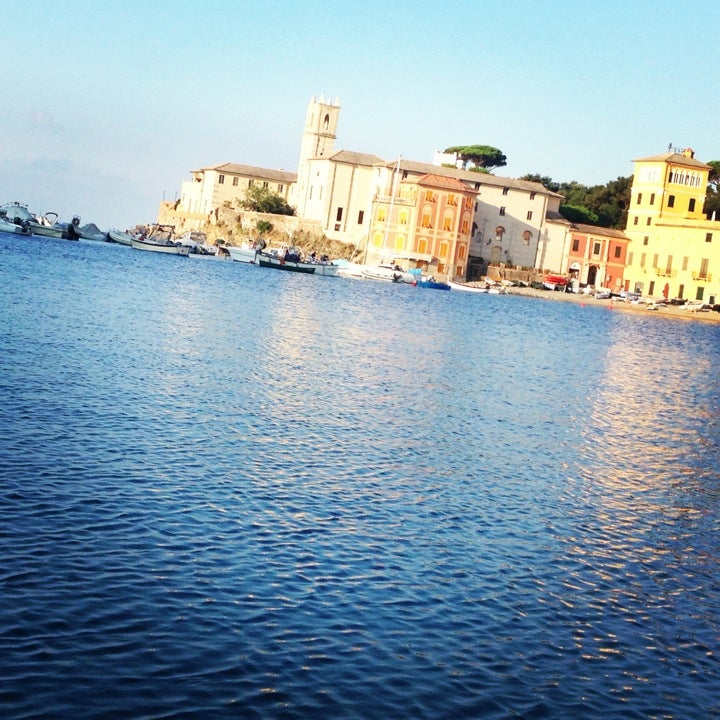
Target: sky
column 108, row 106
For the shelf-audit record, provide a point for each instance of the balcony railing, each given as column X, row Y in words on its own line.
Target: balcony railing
column 707, row 277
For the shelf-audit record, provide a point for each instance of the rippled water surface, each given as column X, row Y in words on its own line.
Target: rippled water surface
column 233, row 492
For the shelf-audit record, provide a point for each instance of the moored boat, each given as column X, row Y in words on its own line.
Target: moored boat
column 8, row 226
column 120, row 237
column 465, row 287
column 160, row 239
column 244, row 253
column 47, row 225
column 198, row 244
column 290, row 260
column 431, row 283
column 391, row 273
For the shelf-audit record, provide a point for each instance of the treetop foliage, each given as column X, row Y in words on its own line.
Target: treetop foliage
column 261, row 199
column 483, row 156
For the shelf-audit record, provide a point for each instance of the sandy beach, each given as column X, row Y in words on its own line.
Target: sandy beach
column 665, row 311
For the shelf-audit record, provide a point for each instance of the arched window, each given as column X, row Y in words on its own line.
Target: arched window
column 326, row 122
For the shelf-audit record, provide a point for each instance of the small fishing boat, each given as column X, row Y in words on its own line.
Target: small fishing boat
column 160, row 239
column 465, row 287
column 290, row 260
column 8, row 226
column 244, row 253
column 432, row 284
column 391, row 273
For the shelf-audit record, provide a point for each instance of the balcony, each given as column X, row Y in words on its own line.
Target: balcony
column 705, row 277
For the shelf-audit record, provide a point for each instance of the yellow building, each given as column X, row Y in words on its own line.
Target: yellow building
column 674, row 249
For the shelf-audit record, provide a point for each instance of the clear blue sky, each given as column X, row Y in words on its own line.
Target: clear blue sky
column 108, row 105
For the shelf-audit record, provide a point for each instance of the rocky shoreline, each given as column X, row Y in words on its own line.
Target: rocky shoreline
column 666, row 311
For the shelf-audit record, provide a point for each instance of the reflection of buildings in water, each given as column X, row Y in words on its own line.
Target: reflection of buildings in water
column 642, row 420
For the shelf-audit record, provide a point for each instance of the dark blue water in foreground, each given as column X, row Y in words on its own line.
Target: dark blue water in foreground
column 229, row 492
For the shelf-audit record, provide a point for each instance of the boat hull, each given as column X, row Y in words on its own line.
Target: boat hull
column 278, row 263
column 243, row 254
column 388, row 274
column 182, row 250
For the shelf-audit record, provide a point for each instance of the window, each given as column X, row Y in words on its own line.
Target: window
column 635, row 220
column 465, row 226
column 630, row 258
column 361, row 216
column 596, row 248
column 235, row 182
column 647, row 222
column 529, row 215
column 378, row 239
column 704, row 268
column 221, row 179
column 532, row 195
column 708, row 237
column 403, row 219
column 685, row 263
column 576, row 245
column 443, row 253
column 668, row 266
column 266, row 185
column 618, row 251
column 452, row 200
column 447, row 223
column 652, row 198
column 655, row 260
column 338, row 216
column 681, row 291
column 426, row 220
column 429, row 197
column 381, row 214
column 646, row 239
column 691, row 205
column 251, row 183
column 642, row 260
column 651, row 288
column 671, row 201
column 506, row 190
column 639, row 200
column 502, row 210
column 281, row 188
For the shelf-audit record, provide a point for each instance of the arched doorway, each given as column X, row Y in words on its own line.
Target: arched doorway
column 592, row 274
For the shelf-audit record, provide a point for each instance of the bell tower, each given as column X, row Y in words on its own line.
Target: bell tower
column 318, row 140
column 320, row 129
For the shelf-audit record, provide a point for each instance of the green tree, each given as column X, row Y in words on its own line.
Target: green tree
column 261, row 199
column 483, row 156
column 712, row 195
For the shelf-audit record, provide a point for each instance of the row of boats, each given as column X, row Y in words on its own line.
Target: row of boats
column 17, row 219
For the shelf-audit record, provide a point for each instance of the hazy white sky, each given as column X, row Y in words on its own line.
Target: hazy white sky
column 108, row 105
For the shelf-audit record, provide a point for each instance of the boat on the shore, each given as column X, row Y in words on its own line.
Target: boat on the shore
column 466, row 287
column 160, row 240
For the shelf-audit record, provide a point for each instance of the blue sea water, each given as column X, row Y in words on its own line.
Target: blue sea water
column 231, row 492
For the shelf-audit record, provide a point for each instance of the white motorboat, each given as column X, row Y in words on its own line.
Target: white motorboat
column 197, row 242
column 47, row 225
column 120, row 237
column 391, row 273
column 244, row 253
column 463, row 287
column 160, row 239
column 8, row 226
